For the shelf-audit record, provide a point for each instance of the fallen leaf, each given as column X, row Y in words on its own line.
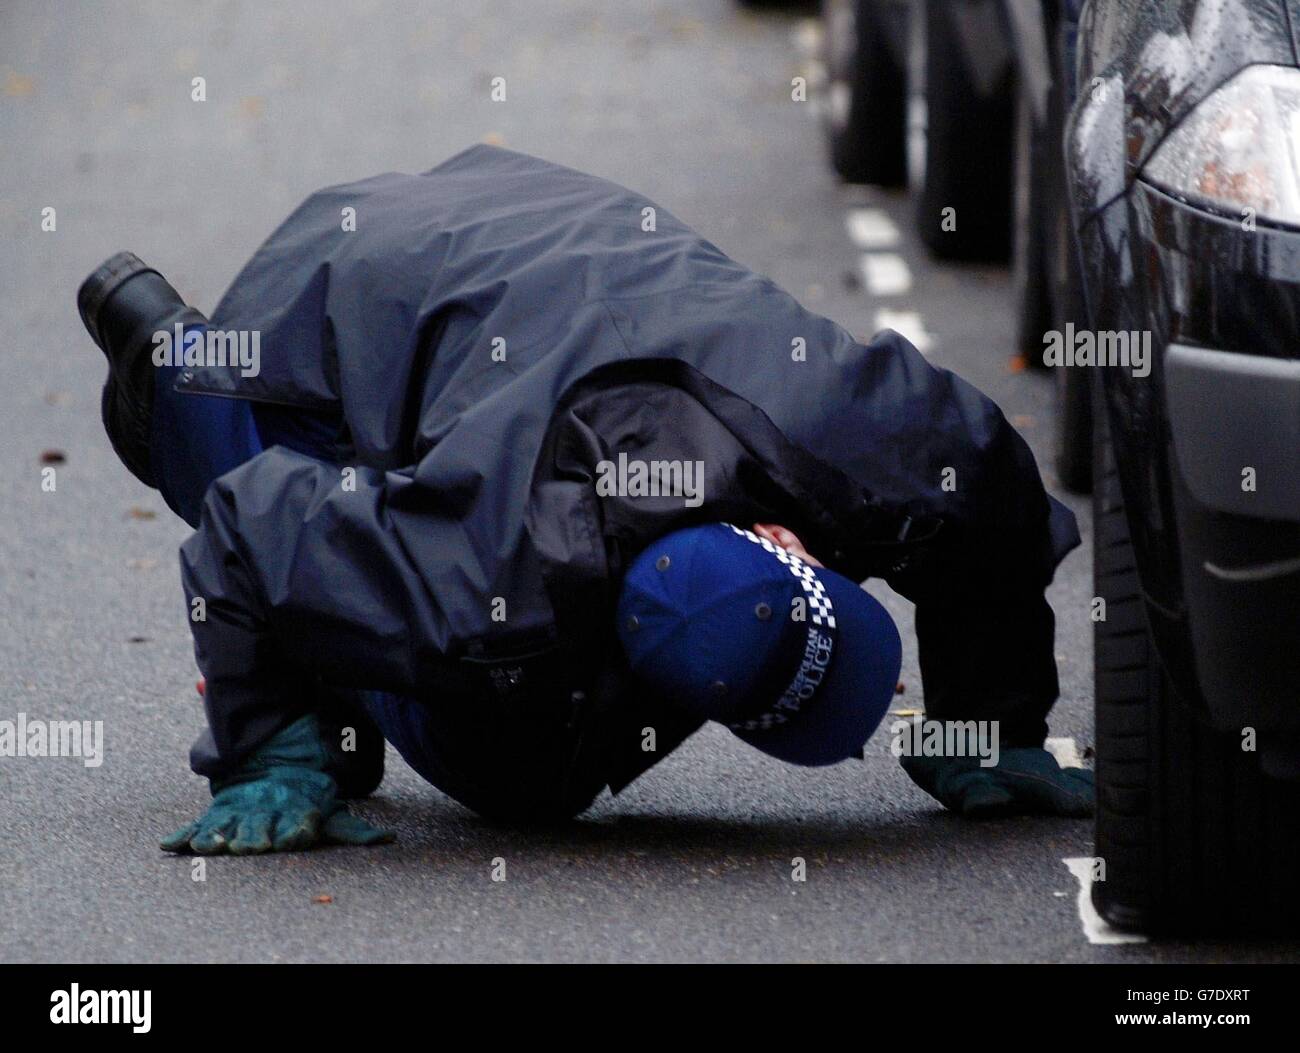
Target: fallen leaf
column 18, row 84
column 136, row 512
column 906, row 712
column 137, row 639
column 57, row 398
column 899, row 688
column 1024, row 420
column 494, row 139
column 322, row 899
column 1017, row 363
column 142, row 564
column 683, row 28
column 53, row 457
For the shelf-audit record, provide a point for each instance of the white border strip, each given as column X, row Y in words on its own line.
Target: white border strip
column 1096, row 928
column 886, row 274
column 871, row 228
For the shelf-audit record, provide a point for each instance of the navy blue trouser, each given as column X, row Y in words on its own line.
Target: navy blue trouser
column 466, row 752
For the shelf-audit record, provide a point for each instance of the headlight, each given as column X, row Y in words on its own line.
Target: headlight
column 1239, row 148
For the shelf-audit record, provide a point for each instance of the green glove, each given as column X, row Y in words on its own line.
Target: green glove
column 1025, row 781
column 280, row 800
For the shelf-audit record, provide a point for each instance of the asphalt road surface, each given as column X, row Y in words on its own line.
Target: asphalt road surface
column 688, row 101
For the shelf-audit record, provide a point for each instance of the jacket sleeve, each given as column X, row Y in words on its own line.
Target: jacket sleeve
column 984, row 627
column 299, row 571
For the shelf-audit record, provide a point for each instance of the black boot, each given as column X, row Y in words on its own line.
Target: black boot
column 122, row 304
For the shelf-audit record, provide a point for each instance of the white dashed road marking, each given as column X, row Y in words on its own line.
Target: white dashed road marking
column 1095, row 927
column 886, row 274
column 807, row 36
column 870, row 228
column 1064, row 750
column 908, row 323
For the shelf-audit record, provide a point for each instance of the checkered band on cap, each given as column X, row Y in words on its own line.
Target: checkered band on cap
column 818, row 646
column 819, row 604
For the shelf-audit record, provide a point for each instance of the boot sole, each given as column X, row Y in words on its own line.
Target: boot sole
column 102, row 283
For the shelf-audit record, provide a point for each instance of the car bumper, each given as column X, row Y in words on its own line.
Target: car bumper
column 1235, row 423
column 1209, row 444
column 1234, row 426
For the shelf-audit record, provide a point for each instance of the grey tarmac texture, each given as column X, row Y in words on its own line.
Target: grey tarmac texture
column 686, row 100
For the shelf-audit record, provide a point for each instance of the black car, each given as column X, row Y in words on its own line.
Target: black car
column 989, row 83
column 1184, row 155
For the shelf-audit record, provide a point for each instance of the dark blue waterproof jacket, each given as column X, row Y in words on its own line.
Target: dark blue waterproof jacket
column 492, row 330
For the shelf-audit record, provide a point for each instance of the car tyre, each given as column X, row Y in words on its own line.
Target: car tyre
column 865, row 108
column 1029, row 263
column 968, row 162
column 1195, row 839
column 1074, row 429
